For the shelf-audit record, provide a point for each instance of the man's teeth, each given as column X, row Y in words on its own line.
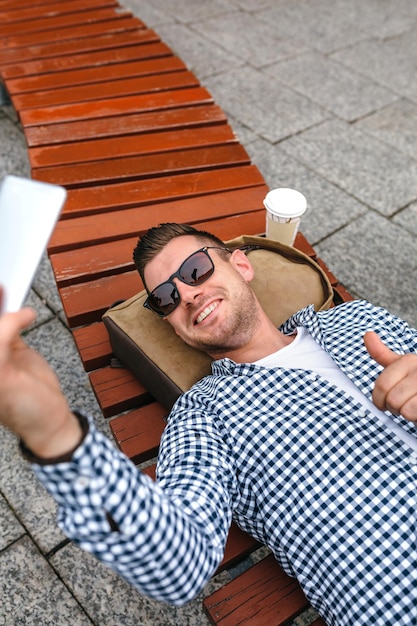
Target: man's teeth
column 206, row 312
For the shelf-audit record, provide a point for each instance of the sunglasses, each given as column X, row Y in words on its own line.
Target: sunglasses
column 195, row 270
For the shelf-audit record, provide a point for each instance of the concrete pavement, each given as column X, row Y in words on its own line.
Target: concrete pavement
column 323, row 95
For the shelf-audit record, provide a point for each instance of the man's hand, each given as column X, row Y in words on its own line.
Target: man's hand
column 396, row 387
column 31, row 402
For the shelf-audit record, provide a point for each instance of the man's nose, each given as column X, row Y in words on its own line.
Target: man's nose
column 188, row 293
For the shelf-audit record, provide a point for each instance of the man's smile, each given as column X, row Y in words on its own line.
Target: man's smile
column 202, row 316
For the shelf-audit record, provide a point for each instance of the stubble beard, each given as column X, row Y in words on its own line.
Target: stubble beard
column 238, row 329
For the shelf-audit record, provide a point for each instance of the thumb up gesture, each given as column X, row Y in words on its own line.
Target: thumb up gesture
column 396, row 387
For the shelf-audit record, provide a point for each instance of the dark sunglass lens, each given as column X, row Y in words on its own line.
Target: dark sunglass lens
column 196, row 269
column 164, row 298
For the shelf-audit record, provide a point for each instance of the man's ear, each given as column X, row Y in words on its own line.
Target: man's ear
column 241, row 263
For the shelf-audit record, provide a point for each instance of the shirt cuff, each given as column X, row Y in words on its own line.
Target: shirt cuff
column 64, row 458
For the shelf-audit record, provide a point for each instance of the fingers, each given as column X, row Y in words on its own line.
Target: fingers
column 396, row 387
column 12, row 324
column 397, row 384
column 378, row 350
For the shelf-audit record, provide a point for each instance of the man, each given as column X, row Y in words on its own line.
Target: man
column 283, row 437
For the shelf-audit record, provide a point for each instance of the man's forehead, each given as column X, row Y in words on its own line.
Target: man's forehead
column 167, row 261
column 179, row 248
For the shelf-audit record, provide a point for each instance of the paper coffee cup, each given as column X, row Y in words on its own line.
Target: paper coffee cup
column 284, row 208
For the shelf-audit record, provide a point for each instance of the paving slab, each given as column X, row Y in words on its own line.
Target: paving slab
column 390, row 62
column 379, row 18
column 396, row 125
column 13, row 150
column 45, row 287
column 407, row 218
column 368, row 169
column 370, row 257
column 260, row 45
column 10, row 527
column 149, row 12
column 113, row 601
column 325, row 26
column 331, row 85
column 272, row 109
column 28, row 499
column 32, row 594
column 254, row 5
column 202, row 57
column 43, row 312
column 182, row 10
column 245, row 134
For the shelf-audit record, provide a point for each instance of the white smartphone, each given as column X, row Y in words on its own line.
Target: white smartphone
column 29, row 211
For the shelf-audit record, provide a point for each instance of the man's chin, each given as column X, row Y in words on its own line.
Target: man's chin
column 209, row 345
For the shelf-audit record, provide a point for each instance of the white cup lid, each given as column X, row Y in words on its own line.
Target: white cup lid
column 285, row 202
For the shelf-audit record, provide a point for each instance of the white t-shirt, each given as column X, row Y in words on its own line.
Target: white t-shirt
column 305, row 353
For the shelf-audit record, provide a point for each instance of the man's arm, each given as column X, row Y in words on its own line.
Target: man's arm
column 105, row 504
column 31, row 402
column 396, row 387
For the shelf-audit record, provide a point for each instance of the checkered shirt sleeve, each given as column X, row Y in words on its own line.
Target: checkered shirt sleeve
column 164, row 546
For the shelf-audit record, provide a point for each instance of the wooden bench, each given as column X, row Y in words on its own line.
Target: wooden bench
column 112, row 114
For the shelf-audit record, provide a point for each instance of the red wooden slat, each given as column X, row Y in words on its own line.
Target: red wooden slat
column 63, row 27
column 54, row 69
column 12, row 5
column 113, row 23
column 116, row 106
column 15, row 14
column 140, row 144
column 175, row 78
column 8, row 5
column 185, row 117
column 91, row 75
column 238, row 545
column 160, row 190
column 138, row 432
column 93, row 345
column 208, row 205
column 302, row 244
column 117, row 390
column 86, row 303
column 92, row 262
column 250, row 223
column 126, row 33
column 262, row 596
column 147, row 166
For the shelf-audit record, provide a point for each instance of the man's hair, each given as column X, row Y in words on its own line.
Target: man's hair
column 157, row 237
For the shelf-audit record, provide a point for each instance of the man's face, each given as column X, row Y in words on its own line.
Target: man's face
column 219, row 315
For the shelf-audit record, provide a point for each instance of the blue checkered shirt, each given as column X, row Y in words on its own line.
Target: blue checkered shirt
column 291, row 458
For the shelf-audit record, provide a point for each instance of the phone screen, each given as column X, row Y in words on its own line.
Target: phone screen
column 29, row 210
